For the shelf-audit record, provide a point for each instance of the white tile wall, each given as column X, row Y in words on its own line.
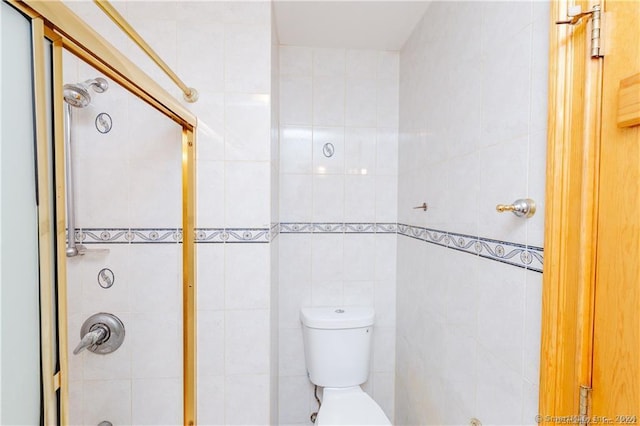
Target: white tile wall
column 348, row 98
column 472, row 130
column 274, row 314
column 146, row 297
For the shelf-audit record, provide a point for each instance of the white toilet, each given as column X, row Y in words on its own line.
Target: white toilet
column 337, row 350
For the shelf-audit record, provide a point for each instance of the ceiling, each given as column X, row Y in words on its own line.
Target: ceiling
column 380, row 25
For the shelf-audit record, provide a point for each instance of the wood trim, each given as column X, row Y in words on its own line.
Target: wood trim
column 571, row 200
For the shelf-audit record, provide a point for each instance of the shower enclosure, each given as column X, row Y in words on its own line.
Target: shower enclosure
column 107, row 288
column 123, row 190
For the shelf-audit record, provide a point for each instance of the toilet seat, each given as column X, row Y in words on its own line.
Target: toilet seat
column 349, row 406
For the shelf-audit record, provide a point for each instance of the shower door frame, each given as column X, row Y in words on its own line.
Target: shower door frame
column 53, row 21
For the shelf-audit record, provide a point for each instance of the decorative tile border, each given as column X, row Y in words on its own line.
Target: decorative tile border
column 528, row 257
column 233, row 235
column 337, row 228
column 173, row 235
column 128, row 235
column 522, row 256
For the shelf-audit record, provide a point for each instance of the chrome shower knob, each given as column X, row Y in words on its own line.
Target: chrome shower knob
column 101, row 333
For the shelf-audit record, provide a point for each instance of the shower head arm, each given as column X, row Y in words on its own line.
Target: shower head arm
column 99, row 84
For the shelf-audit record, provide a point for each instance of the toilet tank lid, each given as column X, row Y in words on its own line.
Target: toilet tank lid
column 333, row 318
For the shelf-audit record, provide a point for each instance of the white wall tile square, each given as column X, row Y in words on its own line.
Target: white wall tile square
column 107, row 399
column 292, row 352
column 210, row 193
column 211, row 394
column 247, row 44
column 359, row 198
column 296, row 149
column 329, row 62
column 358, row 293
column 296, row 93
column 383, row 392
column 386, row 194
column 296, row 198
column 328, row 101
column 327, row 257
column 294, row 400
column 155, row 286
column 389, row 66
column 241, row 410
column 147, row 343
column 247, row 12
column 327, row 293
column 209, row 73
column 247, row 194
column 210, row 275
column 361, row 102
column 360, row 151
column 153, row 202
column 243, row 142
column 328, row 198
column 247, row 276
column 359, row 257
column 247, row 342
column 156, row 401
column 362, row 63
column 211, row 341
column 296, row 60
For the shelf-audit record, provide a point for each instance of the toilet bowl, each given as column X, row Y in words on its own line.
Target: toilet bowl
column 349, row 406
column 337, row 349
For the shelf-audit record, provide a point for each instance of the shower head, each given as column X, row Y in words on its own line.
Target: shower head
column 78, row 94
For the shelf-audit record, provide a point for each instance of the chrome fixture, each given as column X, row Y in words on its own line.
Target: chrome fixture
column 78, row 96
column 106, row 278
column 328, row 150
column 105, row 423
column 524, row 207
column 424, row 207
column 101, row 333
column 103, row 123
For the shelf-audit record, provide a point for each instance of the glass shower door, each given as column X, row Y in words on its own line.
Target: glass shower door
column 126, row 170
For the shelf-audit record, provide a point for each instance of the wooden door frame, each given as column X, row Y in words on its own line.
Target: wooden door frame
column 570, row 216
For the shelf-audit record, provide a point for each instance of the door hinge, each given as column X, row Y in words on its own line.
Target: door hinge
column 575, row 15
column 585, row 405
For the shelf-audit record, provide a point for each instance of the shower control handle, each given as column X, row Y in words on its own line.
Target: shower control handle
column 95, row 337
column 101, row 333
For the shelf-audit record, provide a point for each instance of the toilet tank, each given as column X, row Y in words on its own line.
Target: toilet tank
column 337, row 345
